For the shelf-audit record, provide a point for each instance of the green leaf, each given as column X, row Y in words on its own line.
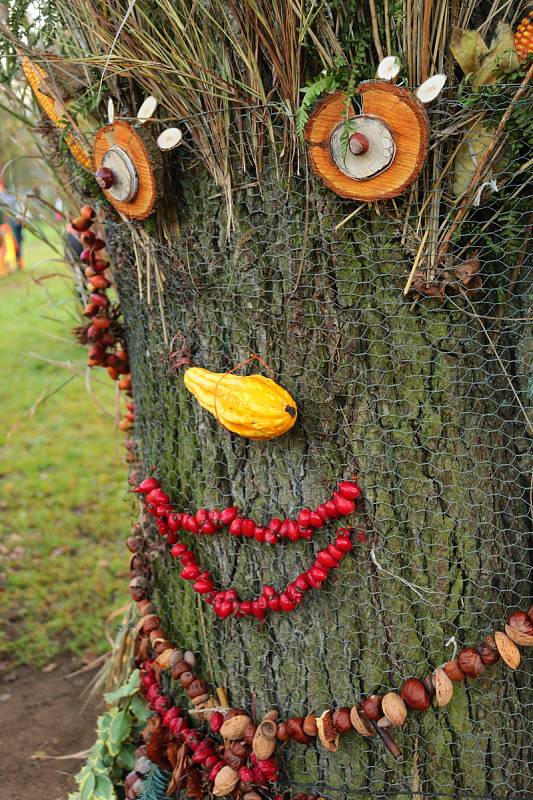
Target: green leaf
column 120, row 729
column 87, row 787
column 103, row 789
column 126, row 690
column 126, row 757
column 139, row 709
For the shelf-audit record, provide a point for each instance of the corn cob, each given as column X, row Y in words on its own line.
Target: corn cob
column 54, row 110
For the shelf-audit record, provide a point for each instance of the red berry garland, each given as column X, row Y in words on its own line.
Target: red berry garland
column 227, row 603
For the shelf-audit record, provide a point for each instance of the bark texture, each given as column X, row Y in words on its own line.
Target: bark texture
column 411, row 400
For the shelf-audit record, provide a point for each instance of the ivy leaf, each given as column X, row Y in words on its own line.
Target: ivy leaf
column 120, row 729
column 126, row 690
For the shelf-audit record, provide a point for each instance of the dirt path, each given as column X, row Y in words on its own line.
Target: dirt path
column 40, row 714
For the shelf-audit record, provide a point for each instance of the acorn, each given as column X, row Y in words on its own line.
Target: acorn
column 415, row 694
column 469, row 661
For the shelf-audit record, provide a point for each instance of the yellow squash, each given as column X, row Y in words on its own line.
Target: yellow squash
column 251, row 405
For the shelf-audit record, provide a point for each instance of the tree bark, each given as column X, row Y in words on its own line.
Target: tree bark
column 410, row 399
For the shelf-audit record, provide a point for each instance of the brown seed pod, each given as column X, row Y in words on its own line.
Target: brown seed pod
column 234, row 727
column 507, row 650
column 282, row 734
column 271, row 715
column 296, row 731
column 443, row 688
column 488, row 651
column 415, row 694
column 360, row 723
column 327, row 734
column 196, row 688
column 309, row 725
column 518, row 637
column 225, row 781
column 394, row 708
column 453, row 671
column 372, row 707
column 470, row 662
column 264, row 742
column 150, row 622
column 341, row 720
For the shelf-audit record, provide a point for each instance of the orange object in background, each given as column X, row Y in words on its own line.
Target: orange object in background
column 8, row 250
column 523, row 38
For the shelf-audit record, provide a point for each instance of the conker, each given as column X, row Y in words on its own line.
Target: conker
column 415, row 694
column 453, row 671
column 295, row 730
column 105, row 177
column 282, row 733
column 488, row 651
column 470, row 662
column 197, row 688
column 520, row 621
column 309, row 725
column 179, row 668
column 185, row 679
column 341, row 720
column 372, row 707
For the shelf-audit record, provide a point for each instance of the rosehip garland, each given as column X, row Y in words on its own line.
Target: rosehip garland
column 103, row 333
column 227, row 603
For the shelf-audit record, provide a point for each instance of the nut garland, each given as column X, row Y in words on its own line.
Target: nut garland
column 246, row 760
column 103, row 332
column 227, row 603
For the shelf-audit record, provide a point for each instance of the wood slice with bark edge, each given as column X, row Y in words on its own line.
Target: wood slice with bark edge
column 146, row 158
column 408, row 123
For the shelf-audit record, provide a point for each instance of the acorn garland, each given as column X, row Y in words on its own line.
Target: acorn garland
column 227, row 603
column 104, row 332
column 244, row 761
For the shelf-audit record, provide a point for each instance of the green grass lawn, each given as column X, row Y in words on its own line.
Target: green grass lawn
column 63, row 503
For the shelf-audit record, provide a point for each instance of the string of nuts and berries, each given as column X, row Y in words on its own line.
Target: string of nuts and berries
column 226, row 603
column 104, row 331
column 245, row 759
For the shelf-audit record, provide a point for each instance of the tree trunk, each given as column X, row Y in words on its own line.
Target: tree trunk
column 412, row 400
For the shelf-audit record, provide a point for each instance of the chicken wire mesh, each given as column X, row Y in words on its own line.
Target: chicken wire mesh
column 424, row 399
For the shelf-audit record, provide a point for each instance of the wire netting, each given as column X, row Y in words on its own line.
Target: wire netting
column 424, row 398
